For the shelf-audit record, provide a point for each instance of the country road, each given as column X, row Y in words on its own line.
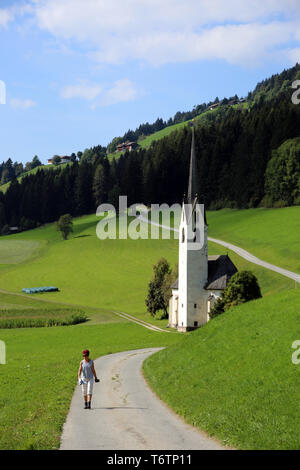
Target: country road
column 126, row 414
column 240, row 251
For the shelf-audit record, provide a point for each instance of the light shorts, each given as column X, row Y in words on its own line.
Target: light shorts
column 87, row 389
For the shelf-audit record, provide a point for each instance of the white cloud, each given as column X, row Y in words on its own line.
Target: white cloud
column 294, row 55
column 237, row 31
column 121, row 92
column 6, row 16
column 81, row 90
column 21, row 104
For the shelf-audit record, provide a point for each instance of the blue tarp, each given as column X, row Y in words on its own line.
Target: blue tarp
column 37, row 290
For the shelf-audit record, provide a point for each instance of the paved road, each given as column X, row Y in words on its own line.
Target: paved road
column 125, row 414
column 253, row 259
column 241, row 252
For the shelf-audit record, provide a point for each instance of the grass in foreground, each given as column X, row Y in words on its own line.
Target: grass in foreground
column 234, row 377
column 39, row 379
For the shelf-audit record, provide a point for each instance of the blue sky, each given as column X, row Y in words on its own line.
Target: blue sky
column 79, row 72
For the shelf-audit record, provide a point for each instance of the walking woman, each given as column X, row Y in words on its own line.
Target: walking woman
column 86, row 373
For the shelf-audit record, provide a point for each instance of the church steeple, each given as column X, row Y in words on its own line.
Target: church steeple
column 192, row 175
column 192, row 195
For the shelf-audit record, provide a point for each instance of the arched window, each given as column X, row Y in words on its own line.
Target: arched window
column 182, row 236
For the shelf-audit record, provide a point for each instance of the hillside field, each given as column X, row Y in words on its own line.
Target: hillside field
column 108, row 274
column 271, row 234
column 234, row 377
column 147, row 140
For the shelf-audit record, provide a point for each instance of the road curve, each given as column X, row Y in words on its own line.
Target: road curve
column 126, row 414
column 253, row 259
column 240, row 251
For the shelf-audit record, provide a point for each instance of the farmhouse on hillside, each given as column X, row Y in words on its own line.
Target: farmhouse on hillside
column 126, row 146
column 201, row 278
column 64, row 159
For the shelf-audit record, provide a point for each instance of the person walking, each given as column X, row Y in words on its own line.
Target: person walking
column 86, row 373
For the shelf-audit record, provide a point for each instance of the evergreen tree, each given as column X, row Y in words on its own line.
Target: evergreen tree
column 65, row 225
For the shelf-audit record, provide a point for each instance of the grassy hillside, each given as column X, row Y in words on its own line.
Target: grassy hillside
column 107, row 274
column 234, row 377
column 4, row 187
column 147, row 141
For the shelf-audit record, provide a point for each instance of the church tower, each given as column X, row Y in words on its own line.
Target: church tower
column 193, row 257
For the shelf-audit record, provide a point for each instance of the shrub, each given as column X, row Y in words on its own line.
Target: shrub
column 242, row 287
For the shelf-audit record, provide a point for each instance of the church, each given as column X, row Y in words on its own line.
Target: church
column 201, row 278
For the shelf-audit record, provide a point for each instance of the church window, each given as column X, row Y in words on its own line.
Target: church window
column 195, row 323
column 195, row 305
column 183, row 236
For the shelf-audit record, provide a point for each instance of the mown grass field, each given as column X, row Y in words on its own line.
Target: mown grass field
column 17, row 251
column 39, row 379
column 88, row 271
column 234, row 378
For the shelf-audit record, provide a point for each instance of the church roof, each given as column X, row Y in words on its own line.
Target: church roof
column 220, row 270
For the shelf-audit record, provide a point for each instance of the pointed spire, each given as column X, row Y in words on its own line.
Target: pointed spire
column 192, row 189
column 192, row 176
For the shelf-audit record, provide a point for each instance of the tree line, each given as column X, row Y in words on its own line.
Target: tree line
column 245, row 158
column 10, row 170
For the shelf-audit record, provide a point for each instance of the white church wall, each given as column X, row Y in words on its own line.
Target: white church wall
column 193, row 265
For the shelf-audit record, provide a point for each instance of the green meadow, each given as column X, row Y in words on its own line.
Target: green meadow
column 97, row 277
column 234, row 377
column 271, row 234
column 40, row 377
